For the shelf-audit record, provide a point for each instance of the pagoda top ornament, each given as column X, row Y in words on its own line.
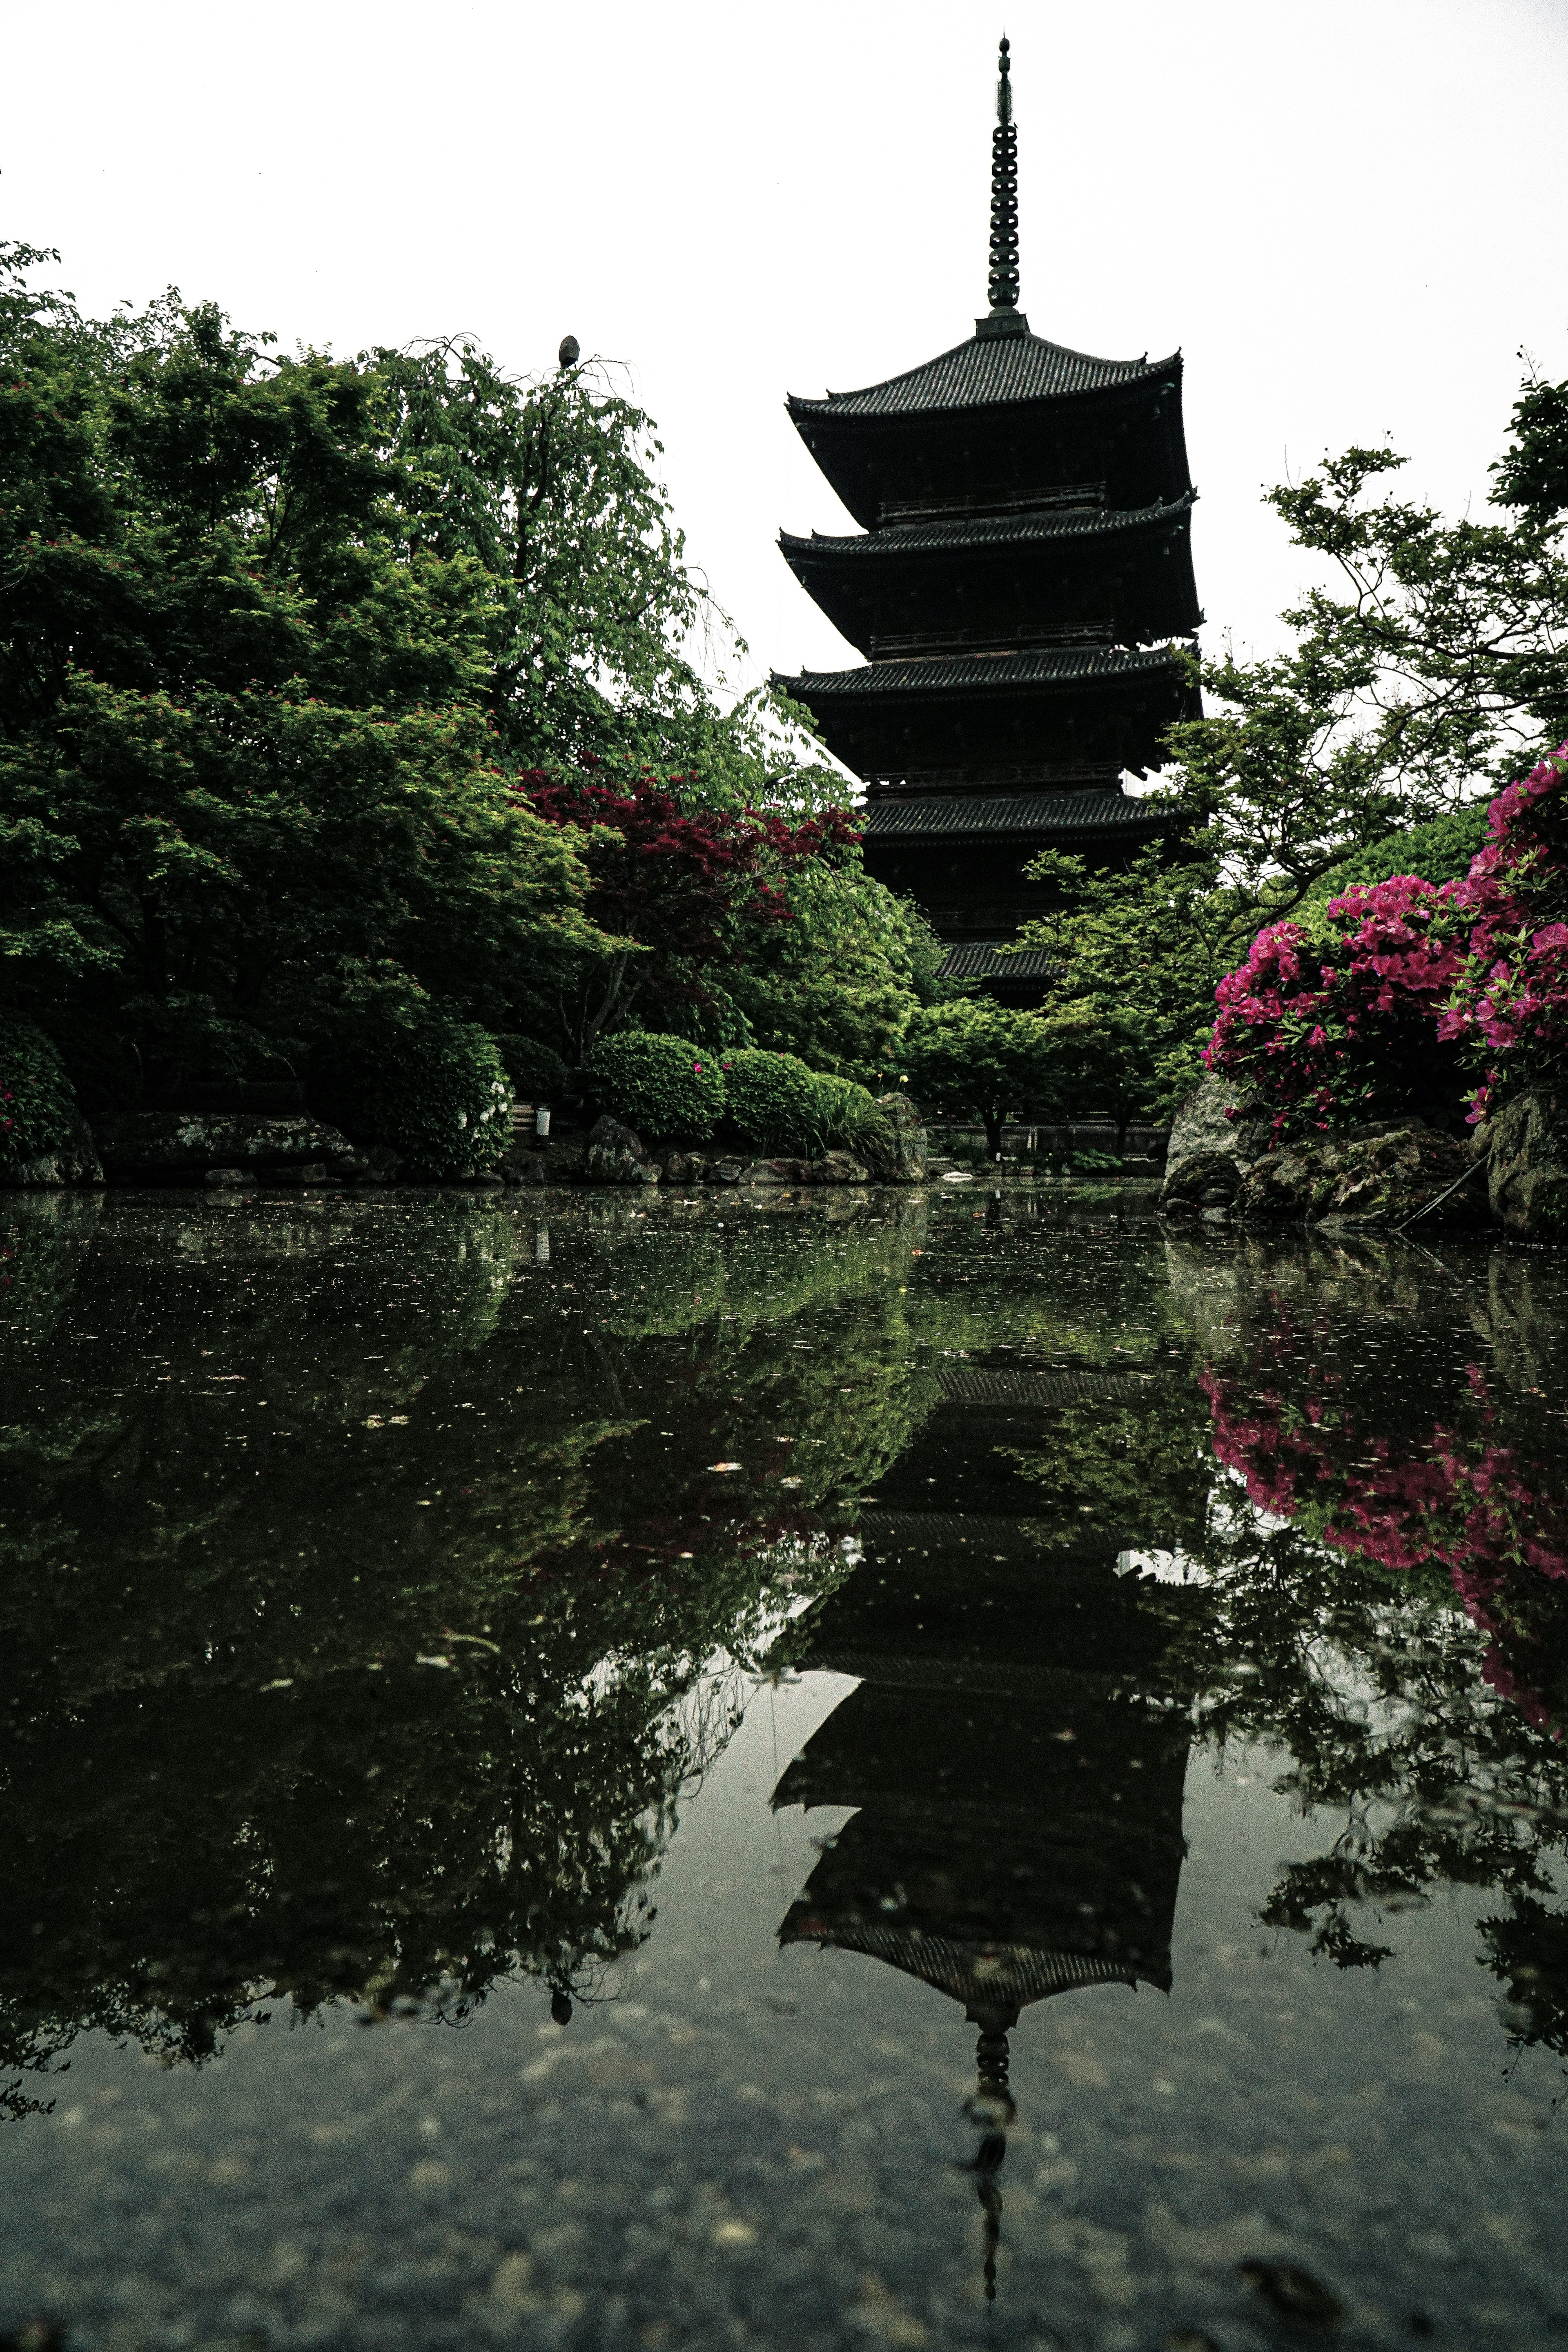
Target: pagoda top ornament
column 1004, row 279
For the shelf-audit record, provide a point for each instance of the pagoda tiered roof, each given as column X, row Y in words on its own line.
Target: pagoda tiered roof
column 1021, row 588
column 992, row 367
column 1018, row 529
column 982, row 673
column 1020, row 816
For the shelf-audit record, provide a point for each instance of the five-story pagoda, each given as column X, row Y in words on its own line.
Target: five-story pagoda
column 1024, row 572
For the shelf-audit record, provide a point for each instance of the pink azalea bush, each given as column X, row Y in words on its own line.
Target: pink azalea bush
column 1380, row 1001
column 1331, row 1016
column 1509, row 1008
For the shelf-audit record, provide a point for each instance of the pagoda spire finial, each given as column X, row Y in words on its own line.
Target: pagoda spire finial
column 1004, row 195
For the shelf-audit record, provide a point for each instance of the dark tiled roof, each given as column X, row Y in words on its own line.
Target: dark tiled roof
column 1036, row 814
column 1040, row 667
column 990, row 531
column 981, row 372
column 1006, row 1975
column 981, row 961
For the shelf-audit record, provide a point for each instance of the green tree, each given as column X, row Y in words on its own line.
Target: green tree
column 243, row 753
column 1138, row 954
column 606, row 647
column 1435, row 666
column 836, row 982
column 975, row 1059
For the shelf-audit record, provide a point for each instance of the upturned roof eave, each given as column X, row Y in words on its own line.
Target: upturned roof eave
column 917, row 540
column 1140, row 374
column 968, row 676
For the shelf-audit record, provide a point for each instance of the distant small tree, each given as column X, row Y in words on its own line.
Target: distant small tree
column 975, row 1059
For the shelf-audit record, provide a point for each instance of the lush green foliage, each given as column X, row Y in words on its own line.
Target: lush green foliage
column 546, row 489
column 662, row 1085
column 686, row 891
column 1438, row 663
column 244, row 752
column 278, row 637
column 773, row 1098
column 846, row 1118
column 37, row 1104
column 974, row 1059
column 400, row 1072
column 537, row 1072
column 1439, row 852
column 836, row 983
column 1138, row 954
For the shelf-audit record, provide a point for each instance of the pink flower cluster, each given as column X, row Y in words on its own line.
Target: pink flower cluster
column 1331, row 1016
column 1321, row 1013
column 1511, row 1006
column 1471, row 1505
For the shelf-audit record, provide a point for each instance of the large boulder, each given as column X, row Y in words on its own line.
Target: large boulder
column 837, row 1167
column 1383, row 1179
column 617, row 1155
column 1527, row 1177
column 907, row 1158
column 1203, row 1123
column 173, row 1147
column 75, row 1161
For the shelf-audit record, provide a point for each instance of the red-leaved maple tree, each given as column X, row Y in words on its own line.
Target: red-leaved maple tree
column 688, row 888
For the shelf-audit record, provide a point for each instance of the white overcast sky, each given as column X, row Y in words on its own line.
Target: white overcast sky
column 1348, row 214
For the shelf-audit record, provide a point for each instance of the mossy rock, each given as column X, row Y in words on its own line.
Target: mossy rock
column 1528, row 1177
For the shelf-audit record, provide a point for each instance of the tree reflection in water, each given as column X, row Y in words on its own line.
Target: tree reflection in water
column 363, row 1562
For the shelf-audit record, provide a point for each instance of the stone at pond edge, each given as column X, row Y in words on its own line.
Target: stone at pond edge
column 1378, row 1180
column 1201, row 1125
column 907, row 1160
column 1528, row 1178
column 838, row 1168
column 76, row 1161
column 1203, row 1181
column 617, row 1155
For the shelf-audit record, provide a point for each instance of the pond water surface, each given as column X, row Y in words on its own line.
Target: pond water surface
column 899, row 1769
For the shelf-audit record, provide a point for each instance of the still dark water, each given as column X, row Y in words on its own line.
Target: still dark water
column 910, row 1770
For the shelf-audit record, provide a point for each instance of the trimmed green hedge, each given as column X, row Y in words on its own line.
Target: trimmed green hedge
column 1439, row 852
column 537, row 1072
column 37, row 1104
column 430, row 1087
column 773, row 1099
column 662, row 1085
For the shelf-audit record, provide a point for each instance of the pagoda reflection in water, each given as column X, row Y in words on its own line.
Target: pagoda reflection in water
column 1013, row 1758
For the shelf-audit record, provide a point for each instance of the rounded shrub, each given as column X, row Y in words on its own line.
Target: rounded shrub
column 37, row 1104
column 662, row 1085
column 430, row 1087
column 537, row 1072
column 773, row 1099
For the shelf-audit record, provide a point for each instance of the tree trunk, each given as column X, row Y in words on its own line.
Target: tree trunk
column 994, row 1123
